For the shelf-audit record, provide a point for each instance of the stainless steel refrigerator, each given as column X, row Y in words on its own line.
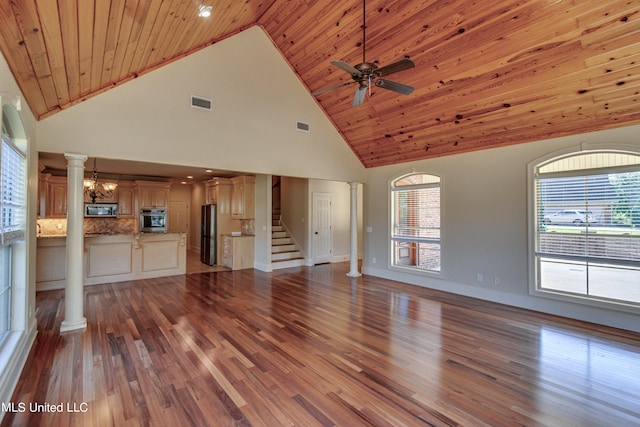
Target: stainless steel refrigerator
column 208, row 231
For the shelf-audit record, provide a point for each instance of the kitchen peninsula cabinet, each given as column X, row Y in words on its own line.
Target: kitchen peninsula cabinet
column 153, row 195
column 243, row 197
column 111, row 258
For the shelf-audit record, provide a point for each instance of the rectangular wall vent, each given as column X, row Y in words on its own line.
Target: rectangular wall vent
column 202, row 103
column 304, row 127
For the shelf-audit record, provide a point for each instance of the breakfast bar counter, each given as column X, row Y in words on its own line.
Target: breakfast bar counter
column 112, row 258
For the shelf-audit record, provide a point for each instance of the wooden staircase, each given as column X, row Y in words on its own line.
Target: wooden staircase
column 284, row 252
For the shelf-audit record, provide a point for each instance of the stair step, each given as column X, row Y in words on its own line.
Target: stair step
column 278, row 234
column 285, row 255
column 277, row 228
column 297, row 262
column 282, row 248
column 281, row 241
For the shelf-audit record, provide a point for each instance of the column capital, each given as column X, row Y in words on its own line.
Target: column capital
column 76, row 156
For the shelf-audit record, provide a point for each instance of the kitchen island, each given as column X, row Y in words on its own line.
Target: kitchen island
column 112, row 258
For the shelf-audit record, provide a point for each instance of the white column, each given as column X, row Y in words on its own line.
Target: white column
column 74, row 291
column 353, row 256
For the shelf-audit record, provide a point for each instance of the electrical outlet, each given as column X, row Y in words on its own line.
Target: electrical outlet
column 373, row 260
column 497, row 281
column 479, row 277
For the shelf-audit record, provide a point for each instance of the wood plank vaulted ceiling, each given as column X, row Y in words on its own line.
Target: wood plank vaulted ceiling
column 488, row 73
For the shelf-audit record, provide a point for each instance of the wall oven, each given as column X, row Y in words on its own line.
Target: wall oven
column 153, row 220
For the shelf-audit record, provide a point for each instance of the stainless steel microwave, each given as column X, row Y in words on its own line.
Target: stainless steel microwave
column 153, row 220
column 100, row 210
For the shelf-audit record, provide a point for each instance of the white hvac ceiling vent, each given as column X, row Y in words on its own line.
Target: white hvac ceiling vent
column 202, row 103
column 304, row 127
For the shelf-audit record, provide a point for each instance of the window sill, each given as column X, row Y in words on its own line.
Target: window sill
column 585, row 300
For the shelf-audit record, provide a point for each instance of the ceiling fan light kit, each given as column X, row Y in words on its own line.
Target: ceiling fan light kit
column 366, row 73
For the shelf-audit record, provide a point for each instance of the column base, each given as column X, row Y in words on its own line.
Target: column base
column 354, row 274
column 66, row 325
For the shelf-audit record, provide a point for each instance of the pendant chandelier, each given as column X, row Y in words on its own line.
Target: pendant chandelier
column 94, row 190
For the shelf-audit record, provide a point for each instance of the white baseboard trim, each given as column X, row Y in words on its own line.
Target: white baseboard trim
column 262, row 266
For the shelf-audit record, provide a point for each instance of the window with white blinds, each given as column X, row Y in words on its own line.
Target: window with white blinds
column 415, row 228
column 13, row 190
column 587, row 227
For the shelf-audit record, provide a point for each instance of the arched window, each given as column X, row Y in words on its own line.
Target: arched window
column 415, row 222
column 13, row 189
column 587, row 228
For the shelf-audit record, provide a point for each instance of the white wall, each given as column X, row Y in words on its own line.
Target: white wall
column 262, row 255
column 257, row 100
column 340, row 216
column 484, row 225
column 295, row 210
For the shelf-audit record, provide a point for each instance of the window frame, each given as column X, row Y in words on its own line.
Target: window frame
column 532, row 222
column 19, row 308
column 391, row 223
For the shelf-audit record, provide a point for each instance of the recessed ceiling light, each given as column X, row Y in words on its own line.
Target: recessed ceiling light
column 208, row 171
column 189, row 177
column 183, row 182
column 205, row 11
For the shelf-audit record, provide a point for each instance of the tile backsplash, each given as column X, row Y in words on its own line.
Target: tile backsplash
column 58, row 227
column 248, row 227
column 53, row 227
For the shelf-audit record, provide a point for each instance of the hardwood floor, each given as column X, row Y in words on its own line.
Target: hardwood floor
column 194, row 265
column 311, row 347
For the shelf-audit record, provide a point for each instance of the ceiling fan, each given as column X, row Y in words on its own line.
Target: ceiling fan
column 367, row 73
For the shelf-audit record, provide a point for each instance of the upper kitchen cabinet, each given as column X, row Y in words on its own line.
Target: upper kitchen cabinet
column 126, row 198
column 56, row 202
column 153, row 195
column 102, row 195
column 218, row 191
column 243, row 197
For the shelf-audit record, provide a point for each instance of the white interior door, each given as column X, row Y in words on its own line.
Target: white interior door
column 322, row 239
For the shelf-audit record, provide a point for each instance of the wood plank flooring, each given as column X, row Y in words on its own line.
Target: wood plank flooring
column 311, row 347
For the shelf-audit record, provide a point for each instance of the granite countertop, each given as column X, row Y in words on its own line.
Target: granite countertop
column 49, row 236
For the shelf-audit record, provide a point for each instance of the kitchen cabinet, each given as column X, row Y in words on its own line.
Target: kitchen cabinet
column 43, row 194
column 153, row 195
column 126, row 198
column 218, row 191
column 56, row 197
column 243, row 197
column 237, row 251
column 102, row 196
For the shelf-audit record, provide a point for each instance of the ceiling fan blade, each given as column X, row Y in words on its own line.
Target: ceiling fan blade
column 394, row 86
column 346, row 67
column 358, row 99
column 327, row 89
column 403, row 64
